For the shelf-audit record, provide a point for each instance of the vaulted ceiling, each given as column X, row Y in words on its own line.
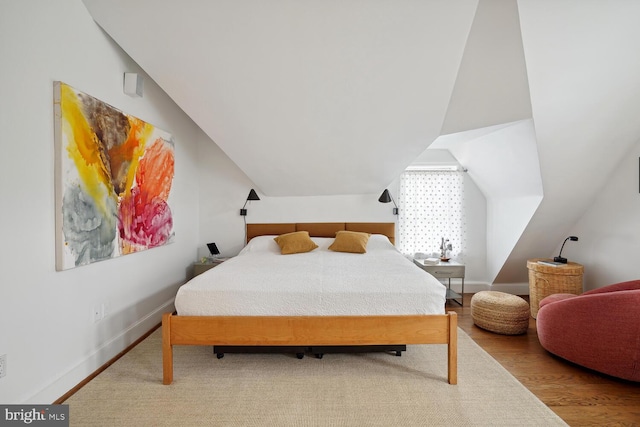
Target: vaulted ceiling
column 320, row 98
column 306, row 97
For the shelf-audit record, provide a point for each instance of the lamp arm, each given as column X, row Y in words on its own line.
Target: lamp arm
column 394, row 202
column 395, row 210
column 243, row 211
column 562, row 247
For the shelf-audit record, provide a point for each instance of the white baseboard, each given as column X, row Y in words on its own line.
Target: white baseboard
column 68, row 380
column 475, row 287
column 511, row 288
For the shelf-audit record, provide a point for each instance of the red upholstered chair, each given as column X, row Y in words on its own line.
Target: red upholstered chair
column 599, row 329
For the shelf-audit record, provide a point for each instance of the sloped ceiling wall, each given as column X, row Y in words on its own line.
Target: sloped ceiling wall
column 491, row 87
column 321, row 98
column 306, row 97
column 583, row 69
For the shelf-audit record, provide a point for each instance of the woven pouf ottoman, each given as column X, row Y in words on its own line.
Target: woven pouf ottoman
column 500, row 312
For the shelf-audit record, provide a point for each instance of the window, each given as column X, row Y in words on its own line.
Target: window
column 431, row 207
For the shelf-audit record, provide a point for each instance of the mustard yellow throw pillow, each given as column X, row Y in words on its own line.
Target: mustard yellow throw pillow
column 295, row 243
column 350, row 241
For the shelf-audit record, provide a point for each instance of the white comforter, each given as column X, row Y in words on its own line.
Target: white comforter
column 261, row 281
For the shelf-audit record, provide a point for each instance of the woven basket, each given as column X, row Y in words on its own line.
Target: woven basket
column 500, row 312
column 546, row 280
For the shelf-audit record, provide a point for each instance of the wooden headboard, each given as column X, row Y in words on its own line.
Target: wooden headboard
column 322, row 229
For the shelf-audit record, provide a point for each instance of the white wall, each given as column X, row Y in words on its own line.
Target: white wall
column 585, row 98
column 224, row 189
column 221, row 222
column 220, row 209
column 46, row 325
column 609, row 231
column 503, row 161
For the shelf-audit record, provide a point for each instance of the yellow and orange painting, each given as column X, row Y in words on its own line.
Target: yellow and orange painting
column 114, row 176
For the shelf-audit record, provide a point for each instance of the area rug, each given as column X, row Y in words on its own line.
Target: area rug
column 358, row 389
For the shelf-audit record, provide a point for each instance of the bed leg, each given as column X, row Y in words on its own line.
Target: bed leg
column 167, row 350
column 452, row 359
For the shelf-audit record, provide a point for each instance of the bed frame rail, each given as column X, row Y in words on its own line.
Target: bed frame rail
column 309, row 330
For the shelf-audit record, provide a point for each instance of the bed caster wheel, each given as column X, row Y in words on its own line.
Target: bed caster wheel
column 398, row 353
column 319, row 355
column 299, row 355
column 219, row 355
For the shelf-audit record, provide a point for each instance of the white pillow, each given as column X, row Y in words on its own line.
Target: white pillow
column 379, row 242
column 261, row 244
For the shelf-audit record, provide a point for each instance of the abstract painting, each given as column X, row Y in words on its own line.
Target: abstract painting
column 113, row 180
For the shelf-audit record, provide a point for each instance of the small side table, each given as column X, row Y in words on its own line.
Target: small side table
column 201, row 267
column 445, row 270
column 545, row 280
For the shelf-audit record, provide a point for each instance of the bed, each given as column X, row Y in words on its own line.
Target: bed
column 309, row 317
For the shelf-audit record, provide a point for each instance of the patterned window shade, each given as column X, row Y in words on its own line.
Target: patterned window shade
column 431, row 206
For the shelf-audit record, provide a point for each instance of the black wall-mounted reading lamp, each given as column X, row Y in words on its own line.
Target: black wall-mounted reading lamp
column 559, row 257
column 385, row 197
column 252, row 196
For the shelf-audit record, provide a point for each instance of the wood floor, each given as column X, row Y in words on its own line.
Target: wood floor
column 579, row 396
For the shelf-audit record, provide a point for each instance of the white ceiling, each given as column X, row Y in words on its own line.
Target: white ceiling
column 491, row 86
column 306, row 97
column 313, row 97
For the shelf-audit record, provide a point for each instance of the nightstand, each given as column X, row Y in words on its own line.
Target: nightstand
column 201, row 267
column 545, row 280
column 445, row 270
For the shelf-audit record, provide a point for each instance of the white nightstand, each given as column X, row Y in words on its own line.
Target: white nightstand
column 445, row 270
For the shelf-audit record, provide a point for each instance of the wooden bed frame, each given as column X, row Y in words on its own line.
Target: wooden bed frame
column 311, row 330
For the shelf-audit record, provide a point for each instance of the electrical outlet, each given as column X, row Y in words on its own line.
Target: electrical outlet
column 3, row 365
column 97, row 314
